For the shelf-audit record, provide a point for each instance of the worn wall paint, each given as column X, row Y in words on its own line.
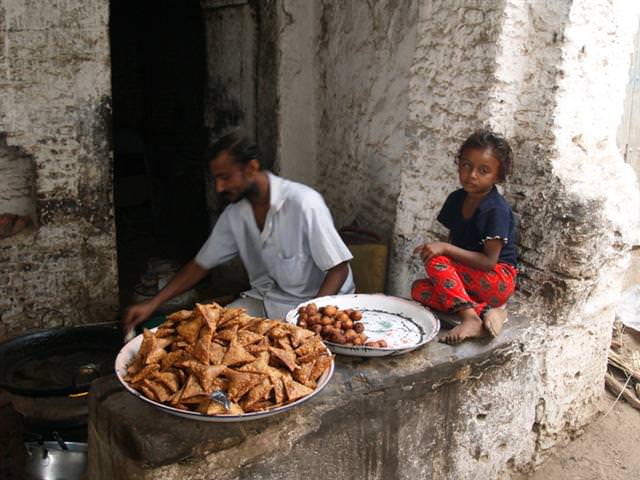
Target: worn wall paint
column 363, row 58
column 54, row 110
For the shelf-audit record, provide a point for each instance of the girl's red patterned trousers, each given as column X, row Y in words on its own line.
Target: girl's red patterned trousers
column 452, row 286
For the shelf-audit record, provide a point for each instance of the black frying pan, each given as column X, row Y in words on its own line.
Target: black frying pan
column 58, row 361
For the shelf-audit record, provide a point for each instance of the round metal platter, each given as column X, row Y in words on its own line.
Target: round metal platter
column 129, row 351
column 404, row 324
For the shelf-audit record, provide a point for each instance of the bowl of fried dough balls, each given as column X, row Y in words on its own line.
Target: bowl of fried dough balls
column 366, row 325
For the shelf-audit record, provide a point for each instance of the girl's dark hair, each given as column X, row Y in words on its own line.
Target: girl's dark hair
column 241, row 148
column 496, row 144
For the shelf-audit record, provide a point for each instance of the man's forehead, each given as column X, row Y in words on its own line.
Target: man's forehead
column 223, row 162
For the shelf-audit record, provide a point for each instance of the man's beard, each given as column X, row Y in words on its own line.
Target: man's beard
column 251, row 190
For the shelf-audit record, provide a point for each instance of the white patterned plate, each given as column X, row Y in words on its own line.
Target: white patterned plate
column 129, row 351
column 404, row 324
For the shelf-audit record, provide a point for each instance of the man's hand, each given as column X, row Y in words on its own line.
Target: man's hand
column 182, row 281
column 430, row 250
column 137, row 314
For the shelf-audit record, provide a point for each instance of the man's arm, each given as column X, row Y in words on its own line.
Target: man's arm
column 182, row 281
column 334, row 279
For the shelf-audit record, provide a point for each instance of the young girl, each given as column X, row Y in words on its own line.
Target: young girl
column 475, row 271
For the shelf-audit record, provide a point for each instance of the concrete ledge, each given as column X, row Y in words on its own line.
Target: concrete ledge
column 406, row 402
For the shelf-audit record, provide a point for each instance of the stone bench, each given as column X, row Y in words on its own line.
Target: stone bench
column 438, row 412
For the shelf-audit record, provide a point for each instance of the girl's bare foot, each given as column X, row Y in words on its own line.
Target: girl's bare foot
column 471, row 327
column 493, row 320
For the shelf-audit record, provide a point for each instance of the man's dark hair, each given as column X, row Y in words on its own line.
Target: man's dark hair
column 238, row 145
column 496, row 144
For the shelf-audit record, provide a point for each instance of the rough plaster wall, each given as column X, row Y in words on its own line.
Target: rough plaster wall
column 453, row 66
column 526, row 69
column 54, row 108
column 267, row 100
column 363, row 59
column 298, row 78
column 492, row 410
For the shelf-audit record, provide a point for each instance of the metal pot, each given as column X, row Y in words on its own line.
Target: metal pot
column 58, row 361
column 55, row 460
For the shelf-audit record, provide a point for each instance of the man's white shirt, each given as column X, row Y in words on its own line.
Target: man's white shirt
column 288, row 260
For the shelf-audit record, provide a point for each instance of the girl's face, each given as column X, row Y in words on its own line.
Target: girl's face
column 478, row 171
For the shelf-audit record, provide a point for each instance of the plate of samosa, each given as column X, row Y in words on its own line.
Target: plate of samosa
column 263, row 367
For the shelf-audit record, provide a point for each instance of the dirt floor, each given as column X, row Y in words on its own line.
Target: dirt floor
column 608, row 450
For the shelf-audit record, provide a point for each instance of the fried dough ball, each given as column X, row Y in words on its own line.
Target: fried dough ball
column 328, row 330
column 338, row 326
column 330, row 310
column 326, row 320
column 339, row 338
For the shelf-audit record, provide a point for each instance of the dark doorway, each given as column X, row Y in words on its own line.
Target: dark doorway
column 158, row 63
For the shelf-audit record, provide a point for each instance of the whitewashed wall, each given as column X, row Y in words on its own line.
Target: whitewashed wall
column 56, row 165
column 344, row 98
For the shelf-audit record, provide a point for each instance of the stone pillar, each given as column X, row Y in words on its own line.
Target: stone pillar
column 54, row 117
column 551, row 76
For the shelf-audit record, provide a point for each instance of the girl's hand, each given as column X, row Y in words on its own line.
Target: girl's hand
column 430, row 250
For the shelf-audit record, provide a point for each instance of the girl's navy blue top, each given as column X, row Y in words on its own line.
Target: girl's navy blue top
column 493, row 219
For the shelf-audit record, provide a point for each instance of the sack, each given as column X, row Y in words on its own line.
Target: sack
column 370, row 253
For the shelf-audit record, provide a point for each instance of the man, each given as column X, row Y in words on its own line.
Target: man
column 282, row 230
